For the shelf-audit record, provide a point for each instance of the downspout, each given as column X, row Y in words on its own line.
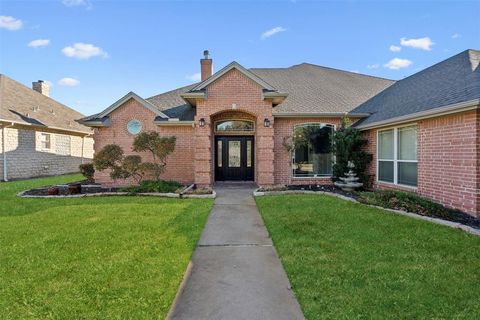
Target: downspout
column 83, row 146
column 5, row 168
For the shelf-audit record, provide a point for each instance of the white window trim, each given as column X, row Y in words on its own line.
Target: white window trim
column 395, row 157
column 234, row 131
column 292, row 156
column 40, row 137
column 137, row 120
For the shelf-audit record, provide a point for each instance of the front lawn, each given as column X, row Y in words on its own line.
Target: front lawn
column 93, row 258
column 350, row 261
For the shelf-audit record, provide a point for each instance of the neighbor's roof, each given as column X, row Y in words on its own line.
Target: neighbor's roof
column 310, row 88
column 449, row 82
column 23, row 105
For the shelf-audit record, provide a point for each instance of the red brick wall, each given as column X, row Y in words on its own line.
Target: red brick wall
column 478, row 163
column 234, row 88
column 448, row 160
column 179, row 163
column 283, row 168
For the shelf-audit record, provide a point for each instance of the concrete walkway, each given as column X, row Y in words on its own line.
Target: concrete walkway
column 236, row 273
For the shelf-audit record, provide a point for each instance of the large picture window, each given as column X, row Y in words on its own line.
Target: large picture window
column 312, row 150
column 397, row 156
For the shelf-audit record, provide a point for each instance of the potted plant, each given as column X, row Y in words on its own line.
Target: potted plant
column 53, row 191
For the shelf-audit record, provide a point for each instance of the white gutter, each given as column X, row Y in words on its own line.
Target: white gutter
column 436, row 112
column 319, row 115
column 44, row 127
column 174, row 122
column 94, row 124
column 83, row 146
column 5, row 168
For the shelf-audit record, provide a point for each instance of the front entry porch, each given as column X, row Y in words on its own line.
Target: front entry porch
column 234, row 158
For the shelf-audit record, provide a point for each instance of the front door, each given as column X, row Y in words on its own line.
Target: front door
column 234, row 158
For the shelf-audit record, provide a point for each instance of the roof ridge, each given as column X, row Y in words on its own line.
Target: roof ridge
column 324, row 67
column 436, row 64
column 344, row 71
column 40, row 94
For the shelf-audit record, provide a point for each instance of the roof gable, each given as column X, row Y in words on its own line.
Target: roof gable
column 125, row 98
column 233, row 65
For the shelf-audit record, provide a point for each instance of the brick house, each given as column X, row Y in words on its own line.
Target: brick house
column 39, row 136
column 236, row 124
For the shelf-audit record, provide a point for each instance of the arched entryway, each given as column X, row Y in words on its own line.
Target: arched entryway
column 234, row 146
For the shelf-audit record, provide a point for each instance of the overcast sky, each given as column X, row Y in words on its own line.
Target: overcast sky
column 94, row 52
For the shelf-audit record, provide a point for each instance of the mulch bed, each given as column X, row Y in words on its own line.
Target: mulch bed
column 324, row 188
column 463, row 218
column 70, row 189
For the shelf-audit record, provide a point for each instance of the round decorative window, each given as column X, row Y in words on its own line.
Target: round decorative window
column 134, row 126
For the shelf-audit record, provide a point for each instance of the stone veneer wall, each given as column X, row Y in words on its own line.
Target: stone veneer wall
column 26, row 158
column 448, row 160
column 180, row 163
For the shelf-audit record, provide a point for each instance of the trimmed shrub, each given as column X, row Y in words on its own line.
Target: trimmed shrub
column 405, row 201
column 87, row 170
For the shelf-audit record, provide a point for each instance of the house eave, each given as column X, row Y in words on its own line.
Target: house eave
column 173, row 122
column 125, row 98
column 318, row 115
column 191, row 97
column 275, row 96
column 437, row 112
column 20, row 123
column 94, row 124
column 230, row 66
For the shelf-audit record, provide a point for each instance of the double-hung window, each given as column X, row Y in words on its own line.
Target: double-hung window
column 397, row 156
column 45, row 141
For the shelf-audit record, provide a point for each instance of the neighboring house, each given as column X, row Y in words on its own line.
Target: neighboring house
column 39, row 136
column 237, row 124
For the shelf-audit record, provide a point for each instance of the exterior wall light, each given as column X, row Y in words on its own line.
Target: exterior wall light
column 202, row 122
column 266, row 123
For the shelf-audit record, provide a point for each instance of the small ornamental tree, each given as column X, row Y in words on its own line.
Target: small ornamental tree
column 110, row 157
column 348, row 146
column 132, row 167
column 121, row 167
column 159, row 147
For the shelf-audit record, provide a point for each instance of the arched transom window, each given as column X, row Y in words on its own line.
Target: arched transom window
column 312, row 150
column 234, row 125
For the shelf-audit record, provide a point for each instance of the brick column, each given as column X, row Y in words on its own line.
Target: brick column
column 264, row 153
column 203, row 152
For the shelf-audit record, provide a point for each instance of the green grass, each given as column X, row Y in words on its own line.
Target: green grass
column 350, row 261
column 93, row 258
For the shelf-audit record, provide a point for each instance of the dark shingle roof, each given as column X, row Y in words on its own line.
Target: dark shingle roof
column 316, row 89
column 451, row 81
column 173, row 105
column 310, row 88
column 21, row 104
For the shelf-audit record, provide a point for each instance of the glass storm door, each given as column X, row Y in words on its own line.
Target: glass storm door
column 234, row 158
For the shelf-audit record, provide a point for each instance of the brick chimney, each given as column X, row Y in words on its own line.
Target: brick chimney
column 42, row 87
column 206, row 65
